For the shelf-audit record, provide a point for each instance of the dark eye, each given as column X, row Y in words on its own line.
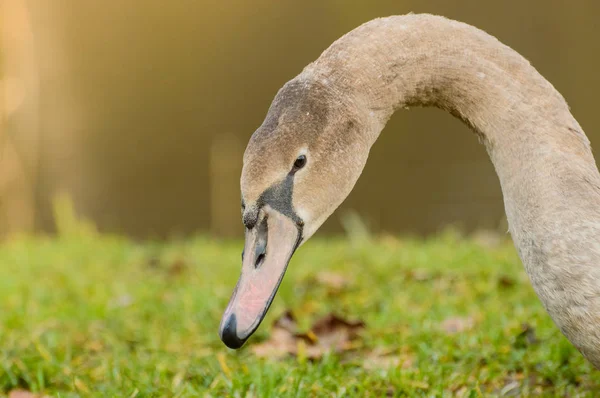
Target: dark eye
column 299, row 163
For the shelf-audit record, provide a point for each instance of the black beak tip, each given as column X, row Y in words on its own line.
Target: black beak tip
column 229, row 335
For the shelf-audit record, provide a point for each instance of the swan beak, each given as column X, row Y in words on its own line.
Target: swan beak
column 268, row 249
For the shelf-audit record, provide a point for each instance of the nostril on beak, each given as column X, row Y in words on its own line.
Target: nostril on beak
column 259, row 260
column 261, row 243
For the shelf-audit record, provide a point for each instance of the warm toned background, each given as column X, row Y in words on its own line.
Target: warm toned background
column 140, row 110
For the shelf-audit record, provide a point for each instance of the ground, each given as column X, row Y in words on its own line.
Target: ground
column 85, row 314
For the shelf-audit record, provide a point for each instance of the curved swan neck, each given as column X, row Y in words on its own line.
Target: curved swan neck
column 426, row 60
column 549, row 179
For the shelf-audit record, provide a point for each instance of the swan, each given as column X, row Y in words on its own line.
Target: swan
column 305, row 158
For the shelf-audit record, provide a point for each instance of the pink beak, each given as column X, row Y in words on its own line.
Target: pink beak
column 268, row 249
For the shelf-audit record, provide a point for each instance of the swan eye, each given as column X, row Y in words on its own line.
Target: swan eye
column 299, row 163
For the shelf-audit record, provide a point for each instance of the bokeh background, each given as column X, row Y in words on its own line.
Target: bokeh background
column 140, row 111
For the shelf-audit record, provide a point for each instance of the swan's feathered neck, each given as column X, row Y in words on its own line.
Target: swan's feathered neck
column 549, row 179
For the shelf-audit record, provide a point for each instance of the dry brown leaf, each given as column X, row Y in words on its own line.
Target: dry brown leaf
column 286, row 321
column 280, row 344
column 336, row 333
column 330, row 333
column 282, row 341
column 457, row 324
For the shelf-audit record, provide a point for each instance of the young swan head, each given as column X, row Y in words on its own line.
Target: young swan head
column 298, row 167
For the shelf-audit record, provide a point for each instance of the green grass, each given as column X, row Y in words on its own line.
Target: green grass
column 86, row 314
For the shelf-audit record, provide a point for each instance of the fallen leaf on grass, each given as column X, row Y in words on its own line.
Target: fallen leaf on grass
column 335, row 332
column 286, row 321
column 455, row 325
column 282, row 340
column 330, row 333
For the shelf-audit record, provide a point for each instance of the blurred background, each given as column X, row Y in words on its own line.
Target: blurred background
column 140, row 111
